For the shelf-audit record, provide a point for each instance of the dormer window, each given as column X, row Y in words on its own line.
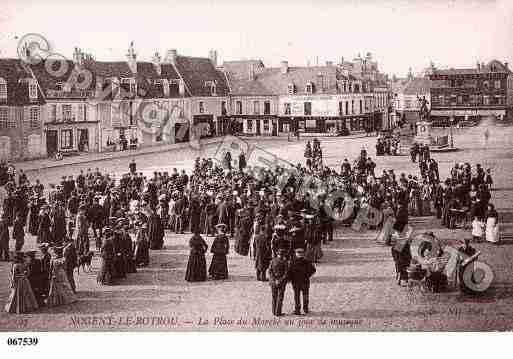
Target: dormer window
column 3, row 89
column 32, row 90
column 212, row 86
column 131, row 85
column 309, row 88
column 291, row 89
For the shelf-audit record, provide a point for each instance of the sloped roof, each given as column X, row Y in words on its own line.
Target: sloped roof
column 494, row 65
column 14, row 72
column 195, row 71
column 239, row 70
column 277, row 82
column 415, row 86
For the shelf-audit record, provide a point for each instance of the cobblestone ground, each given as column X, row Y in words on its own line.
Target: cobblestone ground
column 353, row 289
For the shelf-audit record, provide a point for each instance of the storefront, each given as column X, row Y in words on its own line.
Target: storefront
column 204, row 126
column 71, row 137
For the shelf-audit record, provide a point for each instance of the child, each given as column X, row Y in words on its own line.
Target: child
column 477, row 230
column 488, row 179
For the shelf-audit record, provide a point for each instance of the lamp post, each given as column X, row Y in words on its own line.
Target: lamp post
column 450, row 129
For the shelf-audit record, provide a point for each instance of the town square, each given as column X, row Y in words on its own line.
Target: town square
column 250, row 184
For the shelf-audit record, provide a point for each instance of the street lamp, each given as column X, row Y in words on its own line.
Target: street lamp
column 451, row 133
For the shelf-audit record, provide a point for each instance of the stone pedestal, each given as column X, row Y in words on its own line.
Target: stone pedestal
column 424, row 133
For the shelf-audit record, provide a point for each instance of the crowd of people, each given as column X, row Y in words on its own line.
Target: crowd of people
column 279, row 217
column 388, row 145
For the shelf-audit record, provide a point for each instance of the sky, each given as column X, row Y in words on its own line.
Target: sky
column 400, row 34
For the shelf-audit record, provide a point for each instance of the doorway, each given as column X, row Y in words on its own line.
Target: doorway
column 51, row 142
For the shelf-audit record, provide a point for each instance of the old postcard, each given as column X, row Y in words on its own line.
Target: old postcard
column 251, row 166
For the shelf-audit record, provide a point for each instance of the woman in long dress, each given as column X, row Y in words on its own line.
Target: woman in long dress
column 155, row 231
column 220, row 247
column 385, row 235
column 492, row 225
column 142, row 247
column 22, row 298
column 197, row 265
column 243, row 235
column 60, row 288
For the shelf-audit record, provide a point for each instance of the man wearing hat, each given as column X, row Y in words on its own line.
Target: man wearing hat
column 96, row 216
column 299, row 273
column 18, row 232
column 70, row 260
column 278, row 275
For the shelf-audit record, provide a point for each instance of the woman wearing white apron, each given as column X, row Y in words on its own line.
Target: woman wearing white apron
column 492, row 225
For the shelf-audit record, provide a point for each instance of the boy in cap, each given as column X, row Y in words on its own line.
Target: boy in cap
column 299, row 273
column 278, row 272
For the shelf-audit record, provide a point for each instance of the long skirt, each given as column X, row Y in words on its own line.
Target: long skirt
column 361, row 219
column 33, row 223
column 142, row 254
column 218, row 267
column 60, row 291
column 196, row 268
column 242, row 241
column 492, row 230
column 105, row 275
column 385, row 235
column 314, row 252
column 22, row 298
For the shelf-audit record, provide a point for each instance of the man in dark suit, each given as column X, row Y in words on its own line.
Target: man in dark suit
column 70, row 260
column 278, row 272
column 299, row 273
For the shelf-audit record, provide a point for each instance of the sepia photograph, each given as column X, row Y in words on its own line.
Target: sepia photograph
column 255, row 166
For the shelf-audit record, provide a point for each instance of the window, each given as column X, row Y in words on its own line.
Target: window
column 497, row 84
column 340, row 108
column 4, row 117
column 52, row 113
column 66, row 113
column 350, row 87
column 356, row 88
column 267, row 108
column 211, row 85
column 67, row 139
column 291, row 89
column 486, row 84
column 486, row 100
column 308, row 108
column 34, row 117
column 352, row 107
column 361, row 106
column 256, row 107
column 3, row 89
column 460, row 100
column 129, row 85
column 238, row 108
column 223, row 108
column 81, row 113
column 286, row 108
column 309, row 88
column 266, row 125
column 250, row 125
column 32, row 90
column 201, row 107
column 347, row 108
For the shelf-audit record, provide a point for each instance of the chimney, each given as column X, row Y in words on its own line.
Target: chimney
column 251, row 72
column 171, row 56
column 284, row 67
column 157, row 63
column 342, row 60
column 506, row 65
column 329, row 63
column 78, row 57
column 131, row 57
column 212, row 55
column 478, row 66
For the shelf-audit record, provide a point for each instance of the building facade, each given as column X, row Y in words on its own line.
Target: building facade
column 270, row 101
column 471, row 93
column 21, row 103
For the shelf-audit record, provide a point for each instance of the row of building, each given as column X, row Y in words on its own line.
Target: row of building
column 456, row 95
column 85, row 105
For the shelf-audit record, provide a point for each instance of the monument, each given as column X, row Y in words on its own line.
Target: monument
column 424, row 125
